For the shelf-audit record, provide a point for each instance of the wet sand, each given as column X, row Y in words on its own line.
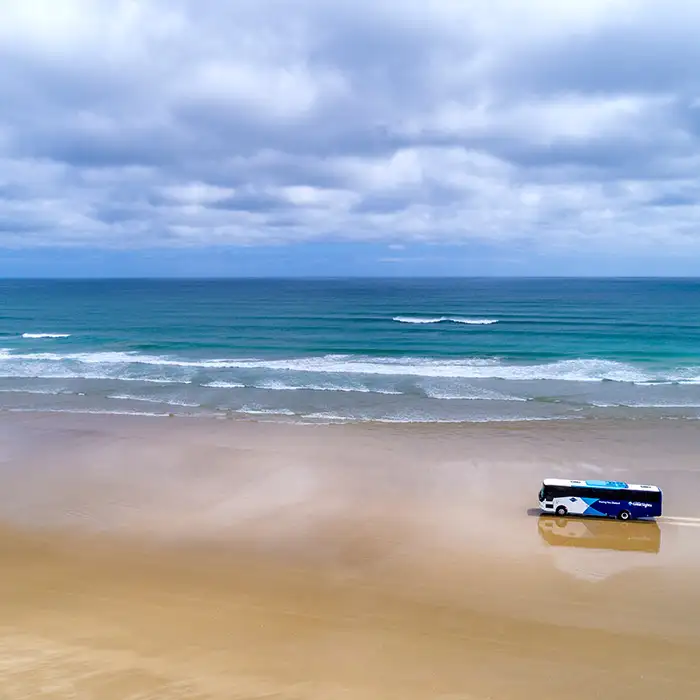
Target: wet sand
column 216, row 559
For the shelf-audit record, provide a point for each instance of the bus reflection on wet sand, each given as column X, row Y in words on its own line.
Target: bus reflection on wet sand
column 600, row 534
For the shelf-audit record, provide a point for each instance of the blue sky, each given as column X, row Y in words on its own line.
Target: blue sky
column 311, row 137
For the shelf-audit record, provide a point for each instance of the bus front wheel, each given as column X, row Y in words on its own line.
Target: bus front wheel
column 561, row 511
column 624, row 515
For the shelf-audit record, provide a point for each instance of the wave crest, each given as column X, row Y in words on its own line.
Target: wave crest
column 167, row 369
column 148, row 399
column 224, row 385
column 473, row 394
column 423, row 320
column 38, row 336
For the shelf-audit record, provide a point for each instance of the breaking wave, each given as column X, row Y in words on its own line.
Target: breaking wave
column 336, row 418
column 224, row 385
column 253, row 411
column 473, row 394
column 147, row 399
column 143, row 367
column 37, row 336
column 422, row 320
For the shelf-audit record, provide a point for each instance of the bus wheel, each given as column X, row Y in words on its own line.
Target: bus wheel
column 624, row 515
column 561, row 511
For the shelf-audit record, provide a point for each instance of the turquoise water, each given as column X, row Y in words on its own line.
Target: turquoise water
column 397, row 350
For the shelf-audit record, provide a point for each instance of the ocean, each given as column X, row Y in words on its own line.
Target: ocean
column 448, row 350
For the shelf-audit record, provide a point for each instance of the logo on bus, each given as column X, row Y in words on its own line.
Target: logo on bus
column 639, row 504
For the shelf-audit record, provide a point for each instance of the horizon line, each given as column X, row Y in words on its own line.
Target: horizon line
column 218, row 278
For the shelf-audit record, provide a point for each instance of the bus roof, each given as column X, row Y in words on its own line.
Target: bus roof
column 612, row 485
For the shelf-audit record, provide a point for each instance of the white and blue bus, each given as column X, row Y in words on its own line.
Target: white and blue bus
column 607, row 499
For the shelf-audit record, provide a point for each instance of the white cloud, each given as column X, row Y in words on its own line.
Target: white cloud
column 129, row 124
column 197, row 193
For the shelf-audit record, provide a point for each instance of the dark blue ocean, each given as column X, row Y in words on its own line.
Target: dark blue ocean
column 336, row 350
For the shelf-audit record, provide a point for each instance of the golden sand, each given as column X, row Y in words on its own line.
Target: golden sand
column 198, row 559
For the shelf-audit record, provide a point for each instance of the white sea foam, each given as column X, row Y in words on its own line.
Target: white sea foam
column 266, row 411
column 224, row 385
column 104, row 358
column 644, row 404
column 42, row 392
column 122, row 378
column 567, row 370
column 91, row 358
column 422, row 320
column 282, row 386
column 490, row 419
column 333, row 417
column 147, row 399
column 38, row 336
column 472, row 394
column 96, row 412
column 349, row 389
column 336, row 418
column 113, row 364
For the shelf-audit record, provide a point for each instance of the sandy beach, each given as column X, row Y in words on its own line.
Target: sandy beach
column 196, row 558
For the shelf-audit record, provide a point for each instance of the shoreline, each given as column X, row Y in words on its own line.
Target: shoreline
column 274, row 416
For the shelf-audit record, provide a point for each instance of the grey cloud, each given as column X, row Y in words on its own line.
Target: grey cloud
column 655, row 56
column 670, row 200
column 253, row 202
column 183, row 123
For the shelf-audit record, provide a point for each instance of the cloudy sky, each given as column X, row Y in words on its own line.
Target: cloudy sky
column 336, row 137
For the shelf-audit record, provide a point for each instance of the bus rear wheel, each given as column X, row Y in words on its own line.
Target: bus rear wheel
column 561, row 511
column 624, row 515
